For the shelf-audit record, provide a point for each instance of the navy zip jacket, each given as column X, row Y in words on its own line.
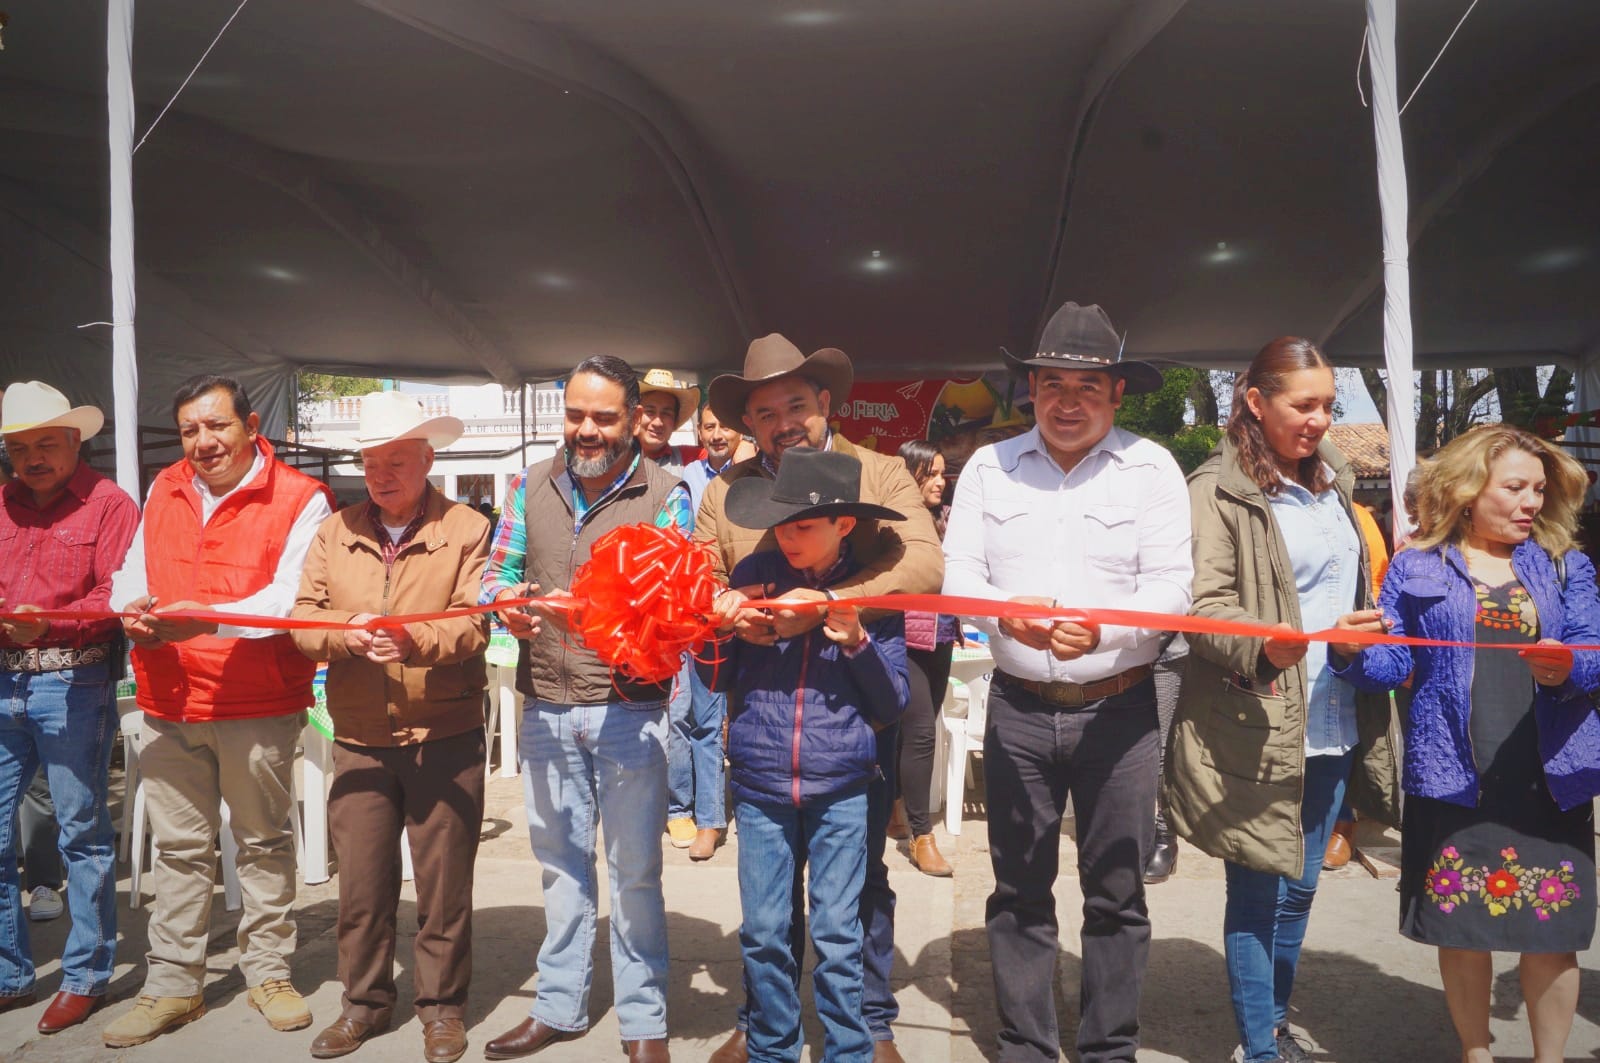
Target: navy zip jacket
column 804, row 727
column 1429, row 594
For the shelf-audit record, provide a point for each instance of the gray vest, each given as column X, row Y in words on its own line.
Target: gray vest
column 553, row 666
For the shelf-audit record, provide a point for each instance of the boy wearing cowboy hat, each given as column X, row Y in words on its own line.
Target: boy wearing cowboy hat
column 407, row 709
column 64, row 529
column 225, row 529
column 803, row 750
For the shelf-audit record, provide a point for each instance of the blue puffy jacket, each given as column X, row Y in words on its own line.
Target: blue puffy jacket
column 802, row 713
column 1429, row 594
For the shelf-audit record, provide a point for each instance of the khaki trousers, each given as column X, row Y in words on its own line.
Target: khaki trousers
column 434, row 791
column 189, row 769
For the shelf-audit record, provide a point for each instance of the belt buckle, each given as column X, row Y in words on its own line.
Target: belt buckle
column 1062, row 695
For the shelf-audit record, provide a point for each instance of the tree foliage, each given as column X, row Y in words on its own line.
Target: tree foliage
column 314, row 387
column 1164, row 415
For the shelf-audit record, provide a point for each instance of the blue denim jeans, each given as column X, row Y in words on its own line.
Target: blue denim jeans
column 66, row 721
column 830, row 839
column 878, row 1005
column 696, row 781
column 585, row 766
column 1264, row 921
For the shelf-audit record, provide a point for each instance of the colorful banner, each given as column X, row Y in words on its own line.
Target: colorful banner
column 959, row 415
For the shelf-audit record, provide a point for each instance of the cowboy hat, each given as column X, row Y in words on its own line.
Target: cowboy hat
column 389, row 416
column 688, row 395
column 770, row 358
column 810, row 483
column 32, row 405
column 1081, row 337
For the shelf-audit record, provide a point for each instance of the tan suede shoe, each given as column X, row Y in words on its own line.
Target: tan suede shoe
column 682, row 832
column 150, row 1018
column 280, row 1004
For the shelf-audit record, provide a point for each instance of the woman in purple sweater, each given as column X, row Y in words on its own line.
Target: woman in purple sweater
column 1502, row 750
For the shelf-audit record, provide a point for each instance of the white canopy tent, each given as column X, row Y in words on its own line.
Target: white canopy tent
column 495, row 188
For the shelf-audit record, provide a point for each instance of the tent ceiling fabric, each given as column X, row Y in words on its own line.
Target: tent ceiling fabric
column 497, row 188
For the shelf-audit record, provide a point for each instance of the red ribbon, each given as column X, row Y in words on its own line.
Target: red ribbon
column 645, row 597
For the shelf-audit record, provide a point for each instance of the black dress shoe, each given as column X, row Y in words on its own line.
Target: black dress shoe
column 526, row 1038
column 1163, row 859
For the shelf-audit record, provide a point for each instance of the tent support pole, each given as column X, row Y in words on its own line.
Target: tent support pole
column 124, row 361
column 1394, row 206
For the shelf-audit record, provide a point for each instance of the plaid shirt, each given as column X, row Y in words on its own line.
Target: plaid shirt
column 509, row 550
column 63, row 557
column 391, row 548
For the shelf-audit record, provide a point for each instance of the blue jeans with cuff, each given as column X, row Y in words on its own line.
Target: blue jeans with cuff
column 696, row 779
column 584, row 766
column 829, row 839
column 67, row 721
column 1265, row 917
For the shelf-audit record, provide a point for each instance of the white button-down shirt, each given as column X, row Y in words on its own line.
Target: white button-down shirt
column 1112, row 533
column 275, row 599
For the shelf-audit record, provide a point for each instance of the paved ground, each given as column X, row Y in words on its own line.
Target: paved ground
column 1364, row 994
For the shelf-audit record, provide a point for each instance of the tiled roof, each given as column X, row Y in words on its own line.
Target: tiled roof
column 1365, row 445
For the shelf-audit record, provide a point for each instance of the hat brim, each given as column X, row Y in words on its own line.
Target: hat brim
column 87, row 420
column 830, row 367
column 749, row 504
column 437, row 432
column 688, row 400
column 1141, row 377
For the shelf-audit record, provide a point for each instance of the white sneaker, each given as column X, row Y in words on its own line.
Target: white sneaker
column 45, row 904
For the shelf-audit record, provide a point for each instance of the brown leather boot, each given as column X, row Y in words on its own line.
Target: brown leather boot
column 1341, row 844
column 734, row 1050
column 927, row 858
column 898, row 829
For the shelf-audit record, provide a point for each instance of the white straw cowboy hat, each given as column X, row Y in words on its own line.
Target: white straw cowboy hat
column 32, row 405
column 390, row 416
column 688, row 395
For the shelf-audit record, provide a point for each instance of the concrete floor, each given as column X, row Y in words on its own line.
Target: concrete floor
column 1364, row 994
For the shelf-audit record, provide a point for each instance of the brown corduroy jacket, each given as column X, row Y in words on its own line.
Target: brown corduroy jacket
column 437, row 692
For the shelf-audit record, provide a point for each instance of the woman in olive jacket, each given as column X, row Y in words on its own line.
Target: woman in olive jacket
column 1265, row 738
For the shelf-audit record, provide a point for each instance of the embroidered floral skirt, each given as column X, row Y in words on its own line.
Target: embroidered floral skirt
column 1515, row 874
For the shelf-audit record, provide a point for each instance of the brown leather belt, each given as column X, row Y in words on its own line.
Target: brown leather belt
column 1077, row 695
column 40, row 659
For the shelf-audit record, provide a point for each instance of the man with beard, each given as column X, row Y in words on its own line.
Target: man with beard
column 593, row 745
column 783, row 398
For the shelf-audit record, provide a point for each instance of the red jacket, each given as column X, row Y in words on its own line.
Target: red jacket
column 234, row 555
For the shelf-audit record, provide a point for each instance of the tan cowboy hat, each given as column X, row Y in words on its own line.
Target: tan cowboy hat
column 688, row 395
column 770, row 358
column 389, row 416
column 33, row 404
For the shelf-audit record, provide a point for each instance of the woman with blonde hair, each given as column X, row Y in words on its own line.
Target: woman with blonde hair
column 1502, row 752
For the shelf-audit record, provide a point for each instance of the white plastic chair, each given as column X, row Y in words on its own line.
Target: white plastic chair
column 966, row 740
column 317, row 775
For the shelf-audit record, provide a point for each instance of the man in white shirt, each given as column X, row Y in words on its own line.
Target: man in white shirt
column 225, row 529
column 1092, row 516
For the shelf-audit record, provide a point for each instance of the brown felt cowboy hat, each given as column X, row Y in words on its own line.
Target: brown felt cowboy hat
column 1082, row 337
column 771, row 358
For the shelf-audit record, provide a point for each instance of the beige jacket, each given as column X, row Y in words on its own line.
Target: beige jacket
column 1236, row 756
column 898, row 557
column 438, row 691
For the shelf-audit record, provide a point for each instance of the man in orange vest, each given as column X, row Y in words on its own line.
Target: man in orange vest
column 226, row 529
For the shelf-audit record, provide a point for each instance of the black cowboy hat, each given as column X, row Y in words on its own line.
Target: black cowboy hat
column 1081, row 337
column 810, row 484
